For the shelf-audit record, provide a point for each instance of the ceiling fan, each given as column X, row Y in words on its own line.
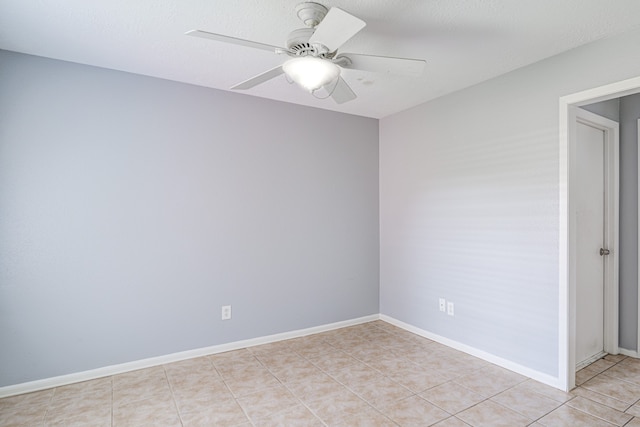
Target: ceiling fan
column 315, row 63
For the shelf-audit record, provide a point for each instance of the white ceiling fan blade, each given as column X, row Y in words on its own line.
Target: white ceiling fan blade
column 383, row 64
column 260, row 78
column 342, row 92
column 336, row 28
column 233, row 40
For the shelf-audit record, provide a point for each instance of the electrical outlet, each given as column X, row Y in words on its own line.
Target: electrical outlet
column 450, row 308
column 443, row 304
column 226, row 312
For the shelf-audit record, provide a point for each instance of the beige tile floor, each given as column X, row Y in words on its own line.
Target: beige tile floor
column 370, row 375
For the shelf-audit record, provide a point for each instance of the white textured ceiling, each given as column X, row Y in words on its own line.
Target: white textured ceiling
column 463, row 41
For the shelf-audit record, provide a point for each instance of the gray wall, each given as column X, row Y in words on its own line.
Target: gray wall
column 609, row 109
column 629, row 115
column 133, row 208
column 469, row 188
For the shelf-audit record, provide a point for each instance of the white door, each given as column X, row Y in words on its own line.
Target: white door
column 590, row 223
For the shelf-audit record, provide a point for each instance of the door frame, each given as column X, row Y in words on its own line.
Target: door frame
column 611, row 172
column 637, row 351
column 567, row 229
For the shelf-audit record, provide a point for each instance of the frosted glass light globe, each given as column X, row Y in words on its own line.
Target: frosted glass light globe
column 310, row 72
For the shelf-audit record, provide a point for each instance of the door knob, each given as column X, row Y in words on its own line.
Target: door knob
column 604, row 252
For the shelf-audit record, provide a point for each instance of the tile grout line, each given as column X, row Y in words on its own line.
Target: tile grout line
column 601, row 394
column 173, row 396
column 49, row 402
column 235, row 399
column 112, row 400
column 330, row 376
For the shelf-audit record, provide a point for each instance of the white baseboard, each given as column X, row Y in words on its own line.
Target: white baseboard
column 491, row 358
column 590, row 360
column 174, row 357
column 630, row 353
column 236, row 345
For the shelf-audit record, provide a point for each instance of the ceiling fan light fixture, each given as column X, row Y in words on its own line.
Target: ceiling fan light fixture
column 310, row 72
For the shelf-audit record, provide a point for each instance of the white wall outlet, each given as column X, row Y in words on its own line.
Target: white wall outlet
column 450, row 308
column 226, row 312
column 443, row 304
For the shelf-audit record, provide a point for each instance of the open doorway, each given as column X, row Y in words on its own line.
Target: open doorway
column 568, row 243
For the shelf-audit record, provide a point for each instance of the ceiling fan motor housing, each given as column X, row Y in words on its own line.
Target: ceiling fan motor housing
column 298, row 43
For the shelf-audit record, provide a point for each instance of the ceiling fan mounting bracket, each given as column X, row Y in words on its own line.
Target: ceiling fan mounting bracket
column 310, row 13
